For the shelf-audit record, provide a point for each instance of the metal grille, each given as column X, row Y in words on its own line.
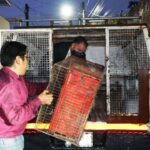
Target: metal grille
column 126, row 51
column 128, row 54
column 74, row 84
column 39, row 47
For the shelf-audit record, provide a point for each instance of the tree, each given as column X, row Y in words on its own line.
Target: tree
column 132, row 4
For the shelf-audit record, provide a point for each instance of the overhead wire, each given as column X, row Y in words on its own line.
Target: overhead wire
column 92, row 10
column 42, row 2
column 99, row 8
column 39, row 12
column 87, row 3
column 96, row 11
column 16, row 5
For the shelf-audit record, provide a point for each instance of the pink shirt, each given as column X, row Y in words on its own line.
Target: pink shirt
column 15, row 109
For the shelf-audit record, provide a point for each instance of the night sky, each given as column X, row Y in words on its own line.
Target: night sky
column 51, row 8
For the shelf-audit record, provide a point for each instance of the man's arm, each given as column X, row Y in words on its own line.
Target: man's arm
column 18, row 110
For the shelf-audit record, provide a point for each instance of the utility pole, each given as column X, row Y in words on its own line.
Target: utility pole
column 26, row 13
column 83, row 13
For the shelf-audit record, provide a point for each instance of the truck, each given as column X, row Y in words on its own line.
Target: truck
column 119, row 120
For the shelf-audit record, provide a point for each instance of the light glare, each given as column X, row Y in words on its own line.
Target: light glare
column 66, row 11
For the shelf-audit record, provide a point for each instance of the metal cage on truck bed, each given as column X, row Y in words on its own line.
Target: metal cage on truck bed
column 123, row 50
column 39, row 47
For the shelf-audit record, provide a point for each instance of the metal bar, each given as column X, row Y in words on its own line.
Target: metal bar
column 107, row 72
column 111, row 18
column 50, row 53
column 69, row 35
column 27, row 30
column 41, row 20
column 20, row 24
column 83, row 20
column 72, row 19
column 126, row 27
column 147, row 40
column 97, row 126
column 14, row 37
column 74, row 35
column 99, row 27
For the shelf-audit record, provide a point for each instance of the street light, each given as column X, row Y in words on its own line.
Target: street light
column 66, row 11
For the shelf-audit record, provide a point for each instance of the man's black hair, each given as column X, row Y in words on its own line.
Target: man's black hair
column 80, row 39
column 10, row 50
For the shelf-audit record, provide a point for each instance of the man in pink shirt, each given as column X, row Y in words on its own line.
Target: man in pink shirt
column 15, row 109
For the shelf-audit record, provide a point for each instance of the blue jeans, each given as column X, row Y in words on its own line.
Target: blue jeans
column 16, row 143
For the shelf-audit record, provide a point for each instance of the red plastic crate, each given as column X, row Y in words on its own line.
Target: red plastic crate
column 74, row 104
